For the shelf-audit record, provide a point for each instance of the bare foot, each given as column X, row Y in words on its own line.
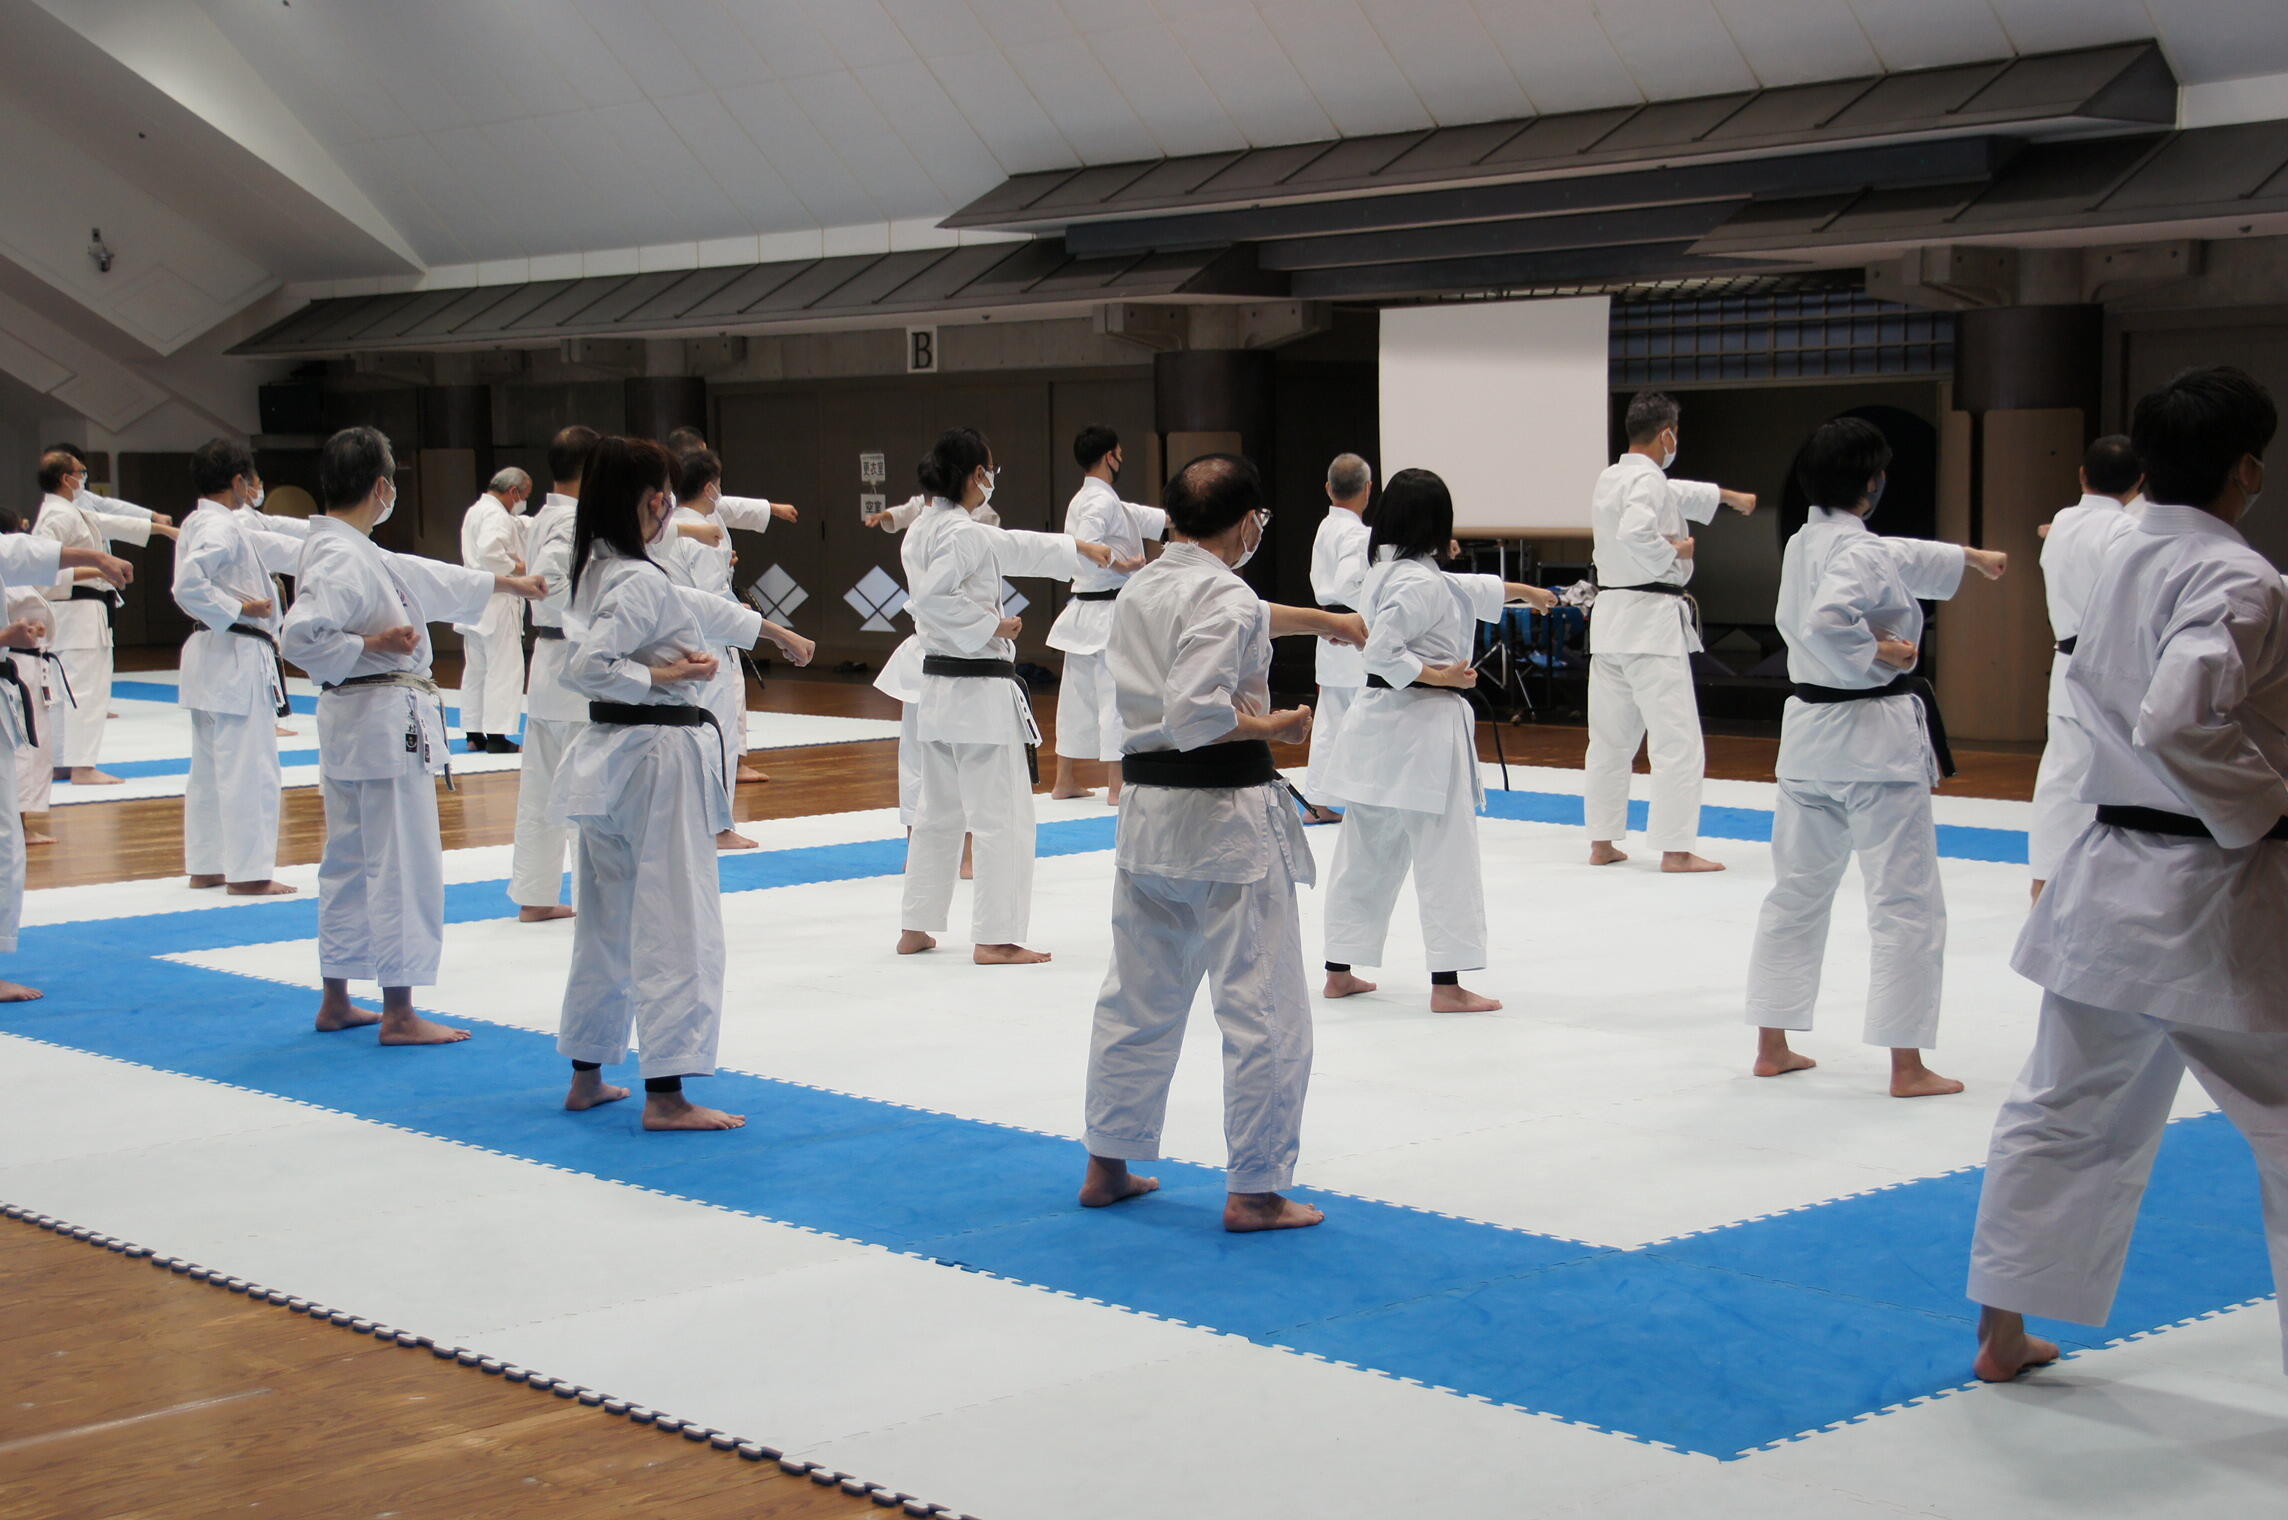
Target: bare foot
column 1112, row 796
column 88, row 775
column 545, row 915
column 39, row 839
column 749, row 773
column 17, row 992
column 1685, row 862
column 1317, row 813
column 201, row 883
column 335, row 1014
column 1922, row 1082
column 914, row 942
column 675, row 1111
column 1061, row 794
column 732, row 839
column 1780, row 1065
column 1342, row 984
column 284, row 732
column 1458, row 999
column 256, row 889
column 1109, row 1181
column 410, row 1028
column 1007, row 955
column 2005, row 1349
column 1602, row 852
column 590, row 1090
column 1244, row 1213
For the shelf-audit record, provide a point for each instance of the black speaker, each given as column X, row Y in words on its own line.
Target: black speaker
column 293, row 407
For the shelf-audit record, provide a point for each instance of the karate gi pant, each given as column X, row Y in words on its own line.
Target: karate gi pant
column 1816, row 829
column 1246, row 939
column 1088, row 709
column 982, row 790
column 909, row 766
column 1633, row 697
column 647, row 948
column 381, row 885
column 726, row 698
column 11, row 867
column 536, row 864
column 36, row 763
column 1374, row 850
column 2075, row 1141
column 492, row 680
column 2059, row 813
column 89, row 671
column 230, row 805
column 1326, row 724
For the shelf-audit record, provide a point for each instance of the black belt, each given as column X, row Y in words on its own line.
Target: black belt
column 1379, row 684
column 1096, row 596
column 952, row 665
column 1339, row 609
column 1657, row 588
column 664, row 715
column 9, row 674
column 1234, row 763
column 1900, row 686
column 63, row 671
column 2154, row 821
column 90, row 594
column 2066, row 646
column 277, row 661
column 418, row 684
column 543, row 631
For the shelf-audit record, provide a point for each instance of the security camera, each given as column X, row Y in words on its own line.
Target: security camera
column 99, row 250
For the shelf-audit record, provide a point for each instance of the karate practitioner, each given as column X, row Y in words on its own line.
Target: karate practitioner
column 554, row 714
column 32, row 622
column 1860, row 750
column 232, row 680
column 30, row 560
column 1406, row 766
column 76, row 517
column 1642, row 638
column 253, row 516
column 492, row 648
column 1209, row 854
column 972, row 722
column 2162, row 941
column 713, row 510
column 1338, row 565
column 901, row 676
column 359, row 628
column 1088, row 719
column 644, row 783
column 2073, row 551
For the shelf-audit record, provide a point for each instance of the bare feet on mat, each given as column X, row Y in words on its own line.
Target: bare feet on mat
column 1341, row 984
column 201, row 883
column 749, row 773
column 1319, row 813
column 284, row 732
column 411, row 1029
column 88, row 775
column 2005, row 1349
column 1774, row 1059
column 1910, row 1078
column 1244, row 1213
column 39, row 839
column 1684, row 862
column 732, row 839
column 675, row 1111
column 339, row 1013
column 1007, row 955
column 1603, row 852
column 1112, row 796
column 914, row 942
column 545, row 915
column 1062, row 794
column 1109, row 1181
column 1461, row 1000
column 17, row 992
column 590, row 1090
column 255, row 888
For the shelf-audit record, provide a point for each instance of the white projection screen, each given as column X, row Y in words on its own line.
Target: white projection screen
column 1504, row 399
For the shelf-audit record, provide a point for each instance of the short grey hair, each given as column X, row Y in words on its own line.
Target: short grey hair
column 1349, row 477
column 510, row 479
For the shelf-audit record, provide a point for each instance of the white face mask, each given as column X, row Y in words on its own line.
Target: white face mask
column 1668, row 458
column 1247, row 550
column 255, row 501
column 388, row 507
column 991, row 476
column 664, row 529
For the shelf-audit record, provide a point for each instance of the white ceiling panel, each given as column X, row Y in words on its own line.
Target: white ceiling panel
column 743, row 176
column 860, row 31
column 1796, row 42
column 1921, row 34
column 2045, row 26
column 1560, row 55
column 1015, row 23
column 1346, row 67
column 714, row 49
column 932, row 128
column 2224, row 39
column 1090, row 112
column 806, row 160
column 1008, row 120
column 937, row 28
column 1675, row 48
column 1160, row 84
column 1250, row 74
column 1448, row 59
column 872, row 155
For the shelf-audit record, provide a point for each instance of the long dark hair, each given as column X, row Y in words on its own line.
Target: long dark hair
column 946, row 469
column 619, row 474
column 1416, row 517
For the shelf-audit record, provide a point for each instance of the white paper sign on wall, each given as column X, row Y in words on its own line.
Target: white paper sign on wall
column 921, row 350
column 873, row 469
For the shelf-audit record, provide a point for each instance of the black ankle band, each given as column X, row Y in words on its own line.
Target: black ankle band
column 1339, row 968
column 663, row 1084
column 1445, row 978
column 587, row 1066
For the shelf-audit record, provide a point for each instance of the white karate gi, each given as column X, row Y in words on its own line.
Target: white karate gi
column 492, row 648
column 554, row 714
column 728, row 698
column 647, row 948
column 2080, row 538
column 705, row 573
column 1641, row 645
column 2156, row 952
column 1406, row 770
column 1203, row 884
column 1854, row 777
column 83, row 620
column 1338, row 567
column 970, row 732
column 901, row 675
column 233, row 687
column 26, row 560
column 42, row 675
column 381, row 884
column 1088, row 719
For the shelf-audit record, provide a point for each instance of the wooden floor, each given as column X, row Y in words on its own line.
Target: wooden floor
column 132, row 1394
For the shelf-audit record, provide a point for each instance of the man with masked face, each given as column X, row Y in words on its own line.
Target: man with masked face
column 492, row 648
column 554, row 713
column 1642, row 637
column 1088, row 720
column 1860, row 749
column 359, row 628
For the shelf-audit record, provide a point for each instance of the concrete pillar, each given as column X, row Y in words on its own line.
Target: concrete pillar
column 659, row 404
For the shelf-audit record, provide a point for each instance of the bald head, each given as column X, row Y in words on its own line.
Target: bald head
column 1349, row 479
column 1211, row 494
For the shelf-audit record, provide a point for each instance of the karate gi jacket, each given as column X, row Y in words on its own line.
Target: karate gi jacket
column 1338, row 567
column 1634, row 512
column 221, row 563
column 954, row 566
column 1097, row 515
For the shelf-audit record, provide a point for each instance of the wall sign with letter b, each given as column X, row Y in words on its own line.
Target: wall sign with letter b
column 921, row 350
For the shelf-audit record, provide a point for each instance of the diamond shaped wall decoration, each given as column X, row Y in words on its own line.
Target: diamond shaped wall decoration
column 876, row 598
column 775, row 594
column 1013, row 603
